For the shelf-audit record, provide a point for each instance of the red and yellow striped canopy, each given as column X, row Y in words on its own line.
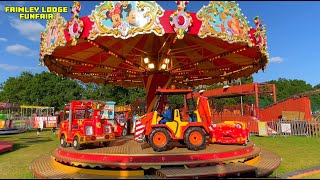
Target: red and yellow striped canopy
column 213, row 45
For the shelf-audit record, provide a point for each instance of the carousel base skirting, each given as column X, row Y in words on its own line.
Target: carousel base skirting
column 5, row 146
column 125, row 158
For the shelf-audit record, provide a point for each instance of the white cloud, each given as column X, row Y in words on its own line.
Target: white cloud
column 30, row 29
column 276, row 59
column 3, row 39
column 14, row 68
column 20, row 50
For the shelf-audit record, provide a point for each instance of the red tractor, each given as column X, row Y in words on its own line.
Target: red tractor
column 82, row 124
column 190, row 125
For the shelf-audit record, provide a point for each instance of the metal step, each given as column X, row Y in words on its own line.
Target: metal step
column 267, row 163
column 207, row 171
column 44, row 168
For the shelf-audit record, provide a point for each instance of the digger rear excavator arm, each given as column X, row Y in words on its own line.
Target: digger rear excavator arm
column 204, row 109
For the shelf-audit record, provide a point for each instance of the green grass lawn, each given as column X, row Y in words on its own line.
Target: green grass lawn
column 297, row 152
column 27, row 147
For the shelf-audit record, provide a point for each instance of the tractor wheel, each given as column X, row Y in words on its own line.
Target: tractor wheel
column 63, row 142
column 194, row 138
column 159, row 139
column 106, row 144
column 76, row 143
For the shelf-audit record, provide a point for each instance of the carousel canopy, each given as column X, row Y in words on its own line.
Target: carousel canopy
column 120, row 43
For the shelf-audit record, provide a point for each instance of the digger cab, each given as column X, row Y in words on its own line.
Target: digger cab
column 183, row 109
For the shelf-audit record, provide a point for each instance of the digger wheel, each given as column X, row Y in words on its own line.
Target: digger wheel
column 181, row 141
column 194, row 138
column 159, row 139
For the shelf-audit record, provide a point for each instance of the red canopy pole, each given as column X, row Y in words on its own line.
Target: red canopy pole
column 274, row 93
column 151, row 83
column 257, row 98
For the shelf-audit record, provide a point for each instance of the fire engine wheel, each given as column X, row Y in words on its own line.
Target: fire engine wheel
column 194, row 138
column 63, row 142
column 75, row 143
column 159, row 139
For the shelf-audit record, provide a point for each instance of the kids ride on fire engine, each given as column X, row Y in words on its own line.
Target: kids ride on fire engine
column 111, row 115
column 190, row 125
column 82, row 124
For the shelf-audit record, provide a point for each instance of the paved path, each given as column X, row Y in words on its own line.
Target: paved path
column 300, row 173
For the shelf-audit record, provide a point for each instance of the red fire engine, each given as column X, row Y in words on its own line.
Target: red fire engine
column 82, row 124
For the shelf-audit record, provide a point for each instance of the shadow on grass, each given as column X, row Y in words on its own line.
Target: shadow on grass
column 27, row 142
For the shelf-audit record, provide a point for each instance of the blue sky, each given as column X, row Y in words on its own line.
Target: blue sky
column 293, row 31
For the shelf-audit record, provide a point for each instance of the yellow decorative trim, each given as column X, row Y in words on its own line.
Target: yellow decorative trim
column 53, row 35
column 151, row 166
column 253, row 161
column 181, row 27
column 234, row 161
column 114, row 173
column 233, row 25
column 147, row 15
column 75, row 20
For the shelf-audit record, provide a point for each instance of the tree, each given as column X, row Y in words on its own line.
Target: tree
column 50, row 89
column 44, row 89
column 317, row 86
column 13, row 88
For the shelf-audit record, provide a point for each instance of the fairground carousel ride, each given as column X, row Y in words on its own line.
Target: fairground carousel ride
column 140, row 44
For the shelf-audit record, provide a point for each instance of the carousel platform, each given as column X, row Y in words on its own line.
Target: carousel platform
column 125, row 158
column 7, row 131
column 5, row 146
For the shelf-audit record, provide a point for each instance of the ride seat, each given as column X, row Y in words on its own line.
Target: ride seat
column 183, row 114
column 176, row 124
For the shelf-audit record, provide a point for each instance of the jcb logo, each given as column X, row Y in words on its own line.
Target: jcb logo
column 98, row 125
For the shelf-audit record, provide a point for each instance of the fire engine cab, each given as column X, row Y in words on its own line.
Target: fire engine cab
column 82, row 124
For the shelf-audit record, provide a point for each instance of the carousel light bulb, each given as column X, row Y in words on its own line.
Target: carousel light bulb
column 151, row 66
column 163, row 66
column 167, row 60
column 146, row 60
